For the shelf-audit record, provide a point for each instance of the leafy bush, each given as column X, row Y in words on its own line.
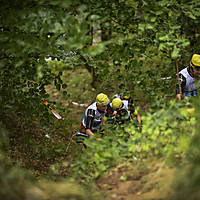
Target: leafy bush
column 165, row 132
column 187, row 181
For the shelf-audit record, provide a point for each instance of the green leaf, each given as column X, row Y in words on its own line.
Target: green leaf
column 64, row 86
column 123, row 178
column 149, row 26
column 58, row 86
column 164, row 38
column 65, row 93
column 175, row 53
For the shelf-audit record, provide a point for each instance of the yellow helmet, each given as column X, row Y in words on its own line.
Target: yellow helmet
column 195, row 61
column 102, row 99
column 116, row 103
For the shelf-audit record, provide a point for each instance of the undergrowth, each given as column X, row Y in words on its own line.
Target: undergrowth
column 166, row 133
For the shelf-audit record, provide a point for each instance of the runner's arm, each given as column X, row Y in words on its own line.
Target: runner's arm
column 89, row 121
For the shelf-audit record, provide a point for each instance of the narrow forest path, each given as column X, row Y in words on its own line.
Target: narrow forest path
column 138, row 181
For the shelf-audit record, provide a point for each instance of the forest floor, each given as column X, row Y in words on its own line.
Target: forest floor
column 138, row 181
column 134, row 180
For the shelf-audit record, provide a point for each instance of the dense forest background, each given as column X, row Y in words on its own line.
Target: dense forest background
column 65, row 51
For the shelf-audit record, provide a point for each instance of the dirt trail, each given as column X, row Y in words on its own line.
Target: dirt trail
column 136, row 181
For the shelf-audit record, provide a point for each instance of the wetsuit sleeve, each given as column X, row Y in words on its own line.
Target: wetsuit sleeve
column 109, row 111
column 131, row 105
column 90, row 118
column 182, row 80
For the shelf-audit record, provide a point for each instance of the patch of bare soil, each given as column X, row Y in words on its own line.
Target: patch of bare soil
column 138, row 181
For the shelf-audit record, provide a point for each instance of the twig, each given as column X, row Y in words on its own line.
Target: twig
column 70, row 142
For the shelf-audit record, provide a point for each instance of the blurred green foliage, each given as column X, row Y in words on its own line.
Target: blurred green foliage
column 187, row 181
column 13, row 180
